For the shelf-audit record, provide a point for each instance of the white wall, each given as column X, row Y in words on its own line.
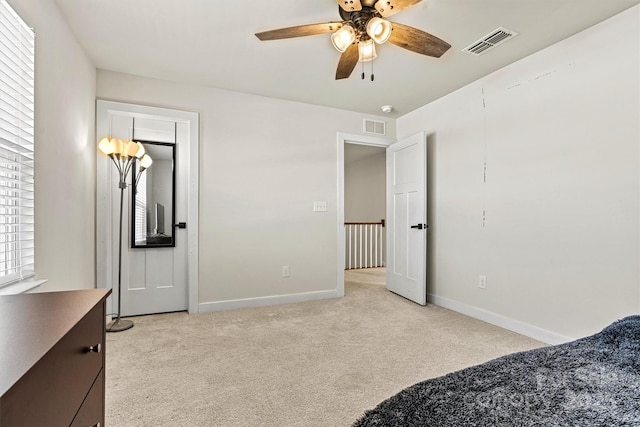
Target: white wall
column 65, row 151
column 364, row 189
column 560, row 134
column 263, row 162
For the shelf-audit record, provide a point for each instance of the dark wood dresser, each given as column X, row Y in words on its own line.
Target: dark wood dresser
column 52, row 358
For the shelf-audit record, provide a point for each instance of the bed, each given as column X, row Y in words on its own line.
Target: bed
column 593, row 381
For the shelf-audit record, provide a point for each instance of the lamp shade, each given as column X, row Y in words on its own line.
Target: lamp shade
column 106, row 146
column 379, row 29
column 342, row 38
column 131, row 148
column 118, row 146
column 140, row 151
column 367, row 50
column 145, row 162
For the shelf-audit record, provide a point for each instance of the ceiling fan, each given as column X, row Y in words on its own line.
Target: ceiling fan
column 363, row 25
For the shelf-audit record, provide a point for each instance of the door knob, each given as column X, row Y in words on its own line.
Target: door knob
column 419, row 226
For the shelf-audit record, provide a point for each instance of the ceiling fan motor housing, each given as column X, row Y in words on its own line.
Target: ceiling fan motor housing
column 359, row 18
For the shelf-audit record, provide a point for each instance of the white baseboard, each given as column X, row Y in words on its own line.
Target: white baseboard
column 207, row 307
column 499, row 320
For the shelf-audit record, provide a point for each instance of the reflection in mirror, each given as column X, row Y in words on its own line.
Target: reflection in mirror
column 152, row 213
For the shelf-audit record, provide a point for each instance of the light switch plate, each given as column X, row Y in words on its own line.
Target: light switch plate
column 319, row 206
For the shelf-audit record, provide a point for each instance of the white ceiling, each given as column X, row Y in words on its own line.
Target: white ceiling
column 212, row 43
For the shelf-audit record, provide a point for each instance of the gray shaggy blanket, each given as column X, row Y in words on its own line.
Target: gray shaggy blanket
column 593, row 381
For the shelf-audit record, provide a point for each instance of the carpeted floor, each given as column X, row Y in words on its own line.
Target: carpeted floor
column 316, row 364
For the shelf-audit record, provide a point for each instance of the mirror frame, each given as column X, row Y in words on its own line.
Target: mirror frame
column 134, row 172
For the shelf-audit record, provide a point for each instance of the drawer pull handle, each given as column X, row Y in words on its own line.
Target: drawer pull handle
column 95, row 348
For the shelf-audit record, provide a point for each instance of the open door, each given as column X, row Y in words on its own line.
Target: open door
column 407, row 218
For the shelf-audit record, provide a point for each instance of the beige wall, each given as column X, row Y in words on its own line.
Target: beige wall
column 560, row 134
column 65, row 151
column 365, row 188
column 263, row 162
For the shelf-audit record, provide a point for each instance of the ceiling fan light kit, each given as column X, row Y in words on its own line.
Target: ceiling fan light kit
column 342, row 38
column 379, row 29
column 363, row 25
column 367, row 50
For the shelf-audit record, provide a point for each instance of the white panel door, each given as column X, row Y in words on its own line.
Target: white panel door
column 407, row 218
column 154, row 280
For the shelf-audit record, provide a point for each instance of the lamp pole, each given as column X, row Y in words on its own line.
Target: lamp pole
column 119, row 324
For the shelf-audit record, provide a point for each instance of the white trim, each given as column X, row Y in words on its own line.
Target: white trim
column 501, row 321
column 207, row 307
column 193, row 221
column 344, row 138
column 103, row 199
column 21, row 287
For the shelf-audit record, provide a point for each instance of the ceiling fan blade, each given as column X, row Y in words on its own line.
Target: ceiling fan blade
column 417, row 41
column 348, row 61
column 350, row 5
column 387, row 8
column 300, row 31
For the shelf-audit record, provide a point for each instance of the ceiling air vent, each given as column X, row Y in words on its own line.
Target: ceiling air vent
column 375, row 127
column 490, row 41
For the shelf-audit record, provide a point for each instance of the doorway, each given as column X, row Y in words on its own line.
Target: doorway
column 364, row 206
column 147, row 284
column 369, row 146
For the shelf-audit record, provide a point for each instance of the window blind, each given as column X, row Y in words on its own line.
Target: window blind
column 17, row 52
column 141, row 209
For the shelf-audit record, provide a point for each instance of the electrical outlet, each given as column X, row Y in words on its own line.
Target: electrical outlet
column 482, row 283
column 319, row 206
column 285, row 271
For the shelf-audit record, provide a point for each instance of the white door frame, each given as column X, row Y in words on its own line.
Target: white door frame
column 104, row 231
column 347, row 138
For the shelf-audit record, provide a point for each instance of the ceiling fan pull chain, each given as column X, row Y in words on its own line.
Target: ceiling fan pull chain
column 372, row 77
column 362, row 70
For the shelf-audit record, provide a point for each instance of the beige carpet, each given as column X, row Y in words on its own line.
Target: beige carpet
column 311, row 364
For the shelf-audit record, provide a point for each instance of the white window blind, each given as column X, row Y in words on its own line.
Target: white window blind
column 141, row 210
column 17, row 51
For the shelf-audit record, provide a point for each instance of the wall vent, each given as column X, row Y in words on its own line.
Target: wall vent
column 490, row 41
column 375, row 127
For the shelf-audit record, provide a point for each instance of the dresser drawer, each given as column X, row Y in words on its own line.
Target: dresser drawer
column 51, row 392
column 91, row 412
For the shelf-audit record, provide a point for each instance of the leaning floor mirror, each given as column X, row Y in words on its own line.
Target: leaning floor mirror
column 153, row 199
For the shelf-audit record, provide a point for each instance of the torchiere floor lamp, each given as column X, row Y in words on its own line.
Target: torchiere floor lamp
column 124, row 155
